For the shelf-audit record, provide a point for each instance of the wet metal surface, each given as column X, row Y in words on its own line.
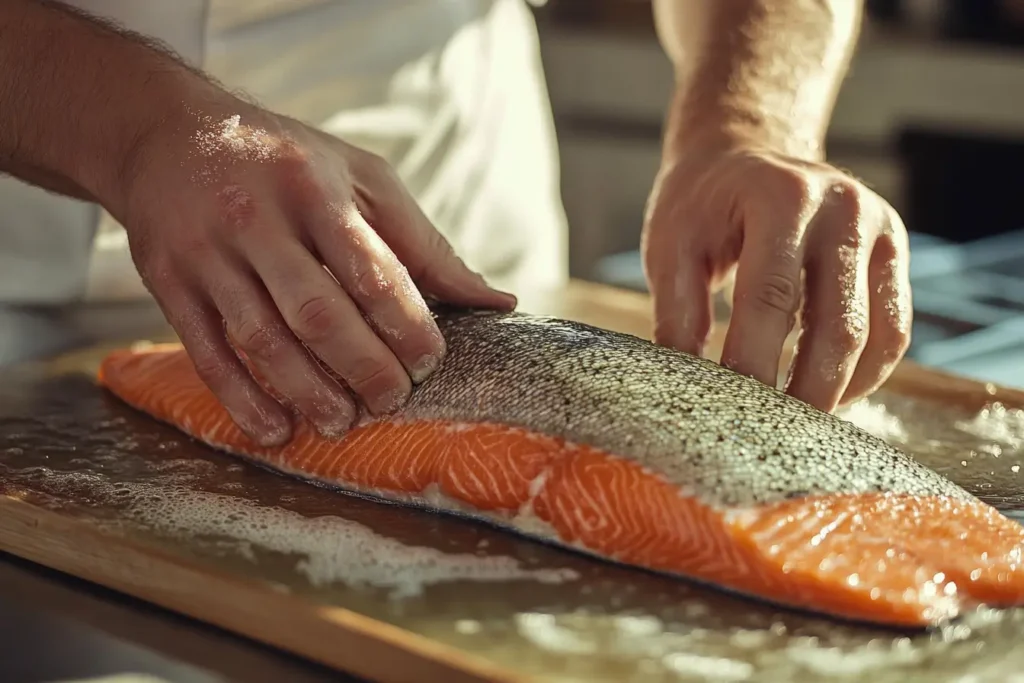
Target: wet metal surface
column 69, row 447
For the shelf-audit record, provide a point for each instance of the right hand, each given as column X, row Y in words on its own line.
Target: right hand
column 236, row 215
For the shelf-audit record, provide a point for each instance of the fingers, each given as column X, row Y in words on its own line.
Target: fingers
column 200, row 328
column 835, row 320
column 255, row 327
column 682, row 300
column 381, row 287
column 321, row 315
column 427, row 255
column 434, row 265
column 890, row 315
column 766, row 298
column 805, row 240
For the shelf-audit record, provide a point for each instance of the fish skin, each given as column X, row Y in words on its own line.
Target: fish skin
column 722, row 436
column 640, row 454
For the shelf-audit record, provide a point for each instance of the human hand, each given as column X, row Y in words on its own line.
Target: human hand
column 802, row 239
column 257, row 234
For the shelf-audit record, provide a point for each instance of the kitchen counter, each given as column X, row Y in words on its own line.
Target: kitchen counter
column 56, row 628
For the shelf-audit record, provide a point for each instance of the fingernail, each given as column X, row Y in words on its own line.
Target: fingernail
column 268, row 430
column 512, row 299
column 424, row 368
column 336, row 423
column 388, row 403
column 509, row 297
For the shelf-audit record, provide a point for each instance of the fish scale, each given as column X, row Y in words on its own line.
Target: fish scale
column 727, row 437
column 611, row 445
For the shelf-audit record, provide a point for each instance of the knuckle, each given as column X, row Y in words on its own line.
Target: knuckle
column 236, row 209
column 846, row 197
column 374, row 377
column 209, row 369
column 302, row 186
column 373, row 283
column 378, row 165
column 291, row 157
column 157, row 272
column 793, row 187
column 852, row 242
column 191, row 247
column 255, row 338
column 778, row 292
column 345, row 222
column 314, row 320
column 849, row 337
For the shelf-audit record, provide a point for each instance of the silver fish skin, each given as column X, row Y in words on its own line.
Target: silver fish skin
column 723, row 437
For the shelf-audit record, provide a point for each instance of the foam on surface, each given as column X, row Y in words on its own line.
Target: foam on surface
column 904, row 422
column 674, row 652
column 332, row 549
column 328, row 549
column 610, row 625
column 981, row 451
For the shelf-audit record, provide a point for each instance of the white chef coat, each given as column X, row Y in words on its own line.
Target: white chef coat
column 451, row 92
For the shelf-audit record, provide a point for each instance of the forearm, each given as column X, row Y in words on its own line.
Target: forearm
column 76, row 97
column 761, row 71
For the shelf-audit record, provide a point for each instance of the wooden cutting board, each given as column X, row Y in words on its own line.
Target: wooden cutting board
column 94, row 489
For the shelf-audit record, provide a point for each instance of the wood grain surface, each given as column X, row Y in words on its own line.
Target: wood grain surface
column 53, row 526
column 329, row 635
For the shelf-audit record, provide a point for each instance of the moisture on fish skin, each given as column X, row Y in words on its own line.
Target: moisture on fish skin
column 636, row 453
column 722, row 437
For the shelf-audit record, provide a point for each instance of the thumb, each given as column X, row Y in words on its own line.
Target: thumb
column 438, row 271
column 429, row 258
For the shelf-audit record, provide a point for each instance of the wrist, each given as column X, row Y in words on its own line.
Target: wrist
column 156, row 106
column 733, row 123
column 701, row 118
column 84, row 95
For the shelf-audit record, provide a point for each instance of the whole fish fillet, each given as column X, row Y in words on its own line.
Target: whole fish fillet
column 632, row 452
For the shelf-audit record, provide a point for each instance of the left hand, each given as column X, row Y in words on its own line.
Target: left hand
column 801, row 237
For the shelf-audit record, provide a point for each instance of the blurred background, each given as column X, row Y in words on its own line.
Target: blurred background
column 931, row 117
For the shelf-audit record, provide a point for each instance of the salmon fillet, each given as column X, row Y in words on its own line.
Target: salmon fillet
column 611, row 445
